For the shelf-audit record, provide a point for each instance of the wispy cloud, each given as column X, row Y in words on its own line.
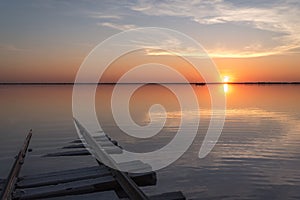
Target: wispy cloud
column 100, row 15
column 121, row 27
column 280, row 17
column 156, row 43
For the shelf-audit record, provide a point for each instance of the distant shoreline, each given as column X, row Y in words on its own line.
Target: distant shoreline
column 233, row 83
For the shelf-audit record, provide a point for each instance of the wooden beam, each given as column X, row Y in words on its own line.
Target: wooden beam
column 15, row 170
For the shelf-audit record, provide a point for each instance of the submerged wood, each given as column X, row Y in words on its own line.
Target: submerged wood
column 69, row 153
column 75, row 187
column 142, row 179
column 106, row 182
column 64, row 172
column 169, row 196
column 91, row 182
column 125, row 182
column 62, row 178
column 84, row 152
column 15, row 170
column 109, row 195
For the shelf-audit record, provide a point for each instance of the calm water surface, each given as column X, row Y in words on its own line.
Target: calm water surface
column 256, row 157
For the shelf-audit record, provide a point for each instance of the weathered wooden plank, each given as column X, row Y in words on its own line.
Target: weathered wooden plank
column 102, row 139
column 141, row 179
column 69, row 153
column 81, row 145
column 74, row 146
column 78, row 141
column 140, row 168
column 135, row 166
column 64, row 178
column 72, row 188
column 84, row 152
column 169, row 196
column 9, row 185
column 64, row 172
column 112, row 150
column 80, row 187
column 129, row 163
column 110, row 195
column 144, row 179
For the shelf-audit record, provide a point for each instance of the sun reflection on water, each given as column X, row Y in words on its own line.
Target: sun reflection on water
column 226, row 88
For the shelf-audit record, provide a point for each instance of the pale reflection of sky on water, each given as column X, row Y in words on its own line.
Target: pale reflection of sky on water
column 257, row 156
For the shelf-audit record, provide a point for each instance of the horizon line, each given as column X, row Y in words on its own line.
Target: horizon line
column 114, row 83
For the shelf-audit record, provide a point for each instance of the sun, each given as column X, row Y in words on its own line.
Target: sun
column 226, row 79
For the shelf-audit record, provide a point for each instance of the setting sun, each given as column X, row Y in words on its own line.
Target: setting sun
column 225, row 79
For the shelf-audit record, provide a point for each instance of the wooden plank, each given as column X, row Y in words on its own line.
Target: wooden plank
column 78, row 146
column 84, row 152
column 38, row 180
column 76, row 141
column 101, row 139
column 69, row 153
column 113, row 150
column 110, row 195
column 74, row 146
column 64, row 172
column 169, row 196
column 76, row 187
column 136, row 168
column 144, row 179
column 130, row 163
column 53, row 180
column 72, row 188
column 79, row 141
column 15, row 170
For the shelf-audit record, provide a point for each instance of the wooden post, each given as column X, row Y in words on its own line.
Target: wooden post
column 14, row 172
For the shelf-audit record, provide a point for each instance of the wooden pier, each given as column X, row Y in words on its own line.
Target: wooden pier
column 93, row 182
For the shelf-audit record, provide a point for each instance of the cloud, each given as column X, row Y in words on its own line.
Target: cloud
column 121, row 27
column 280, row 17
column 100, row 15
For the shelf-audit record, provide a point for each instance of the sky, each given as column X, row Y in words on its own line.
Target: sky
column 46, row 41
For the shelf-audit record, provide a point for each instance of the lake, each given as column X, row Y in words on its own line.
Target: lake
column 257, row 155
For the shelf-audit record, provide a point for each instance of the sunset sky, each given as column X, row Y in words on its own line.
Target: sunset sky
column 46, row 41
